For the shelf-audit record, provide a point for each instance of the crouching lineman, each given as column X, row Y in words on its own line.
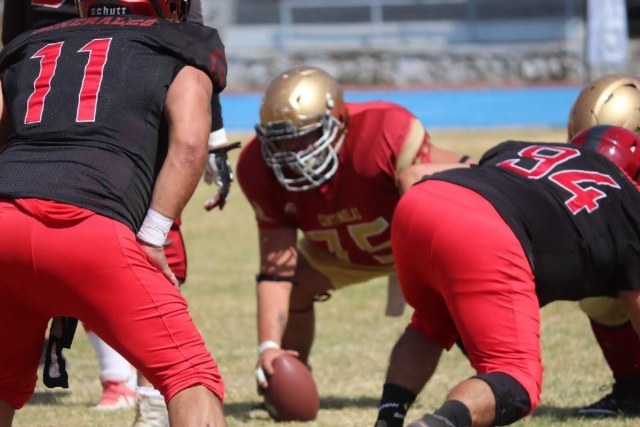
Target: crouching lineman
column 479, row 250
column 77, row 175
column 328, row 168
column 612, row 100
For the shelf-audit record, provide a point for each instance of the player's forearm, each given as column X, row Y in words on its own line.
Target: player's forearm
column 415, row 173
column 273, row 310
column 178, row 178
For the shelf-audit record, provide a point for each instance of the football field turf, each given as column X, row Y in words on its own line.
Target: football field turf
column 353, row 338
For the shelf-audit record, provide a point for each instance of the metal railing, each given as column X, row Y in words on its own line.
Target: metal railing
column 474, row 24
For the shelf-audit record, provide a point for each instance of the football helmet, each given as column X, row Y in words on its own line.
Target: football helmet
column 616, row 143
column 173, row 10
column 303, row 121
column 610, row 100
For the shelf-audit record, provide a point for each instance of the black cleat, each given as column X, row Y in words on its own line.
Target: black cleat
column 429, row 420
column 624, row 400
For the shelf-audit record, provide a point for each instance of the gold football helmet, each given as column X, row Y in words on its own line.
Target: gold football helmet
column 302, row 125
column 610, row 100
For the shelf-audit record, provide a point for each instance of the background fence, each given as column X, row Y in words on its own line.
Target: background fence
column 411, row 42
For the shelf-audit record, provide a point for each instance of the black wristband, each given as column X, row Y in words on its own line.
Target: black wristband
column 275, row 278
column 464, row 159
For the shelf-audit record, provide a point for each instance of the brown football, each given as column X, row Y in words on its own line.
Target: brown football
column 292, row 394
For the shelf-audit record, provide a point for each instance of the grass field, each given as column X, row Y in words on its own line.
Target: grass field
column 353, row 337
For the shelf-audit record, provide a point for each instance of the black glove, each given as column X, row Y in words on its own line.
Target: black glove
column 218, row 170
column 55, row 367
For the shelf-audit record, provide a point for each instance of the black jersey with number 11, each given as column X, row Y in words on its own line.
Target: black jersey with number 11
column 85, row 101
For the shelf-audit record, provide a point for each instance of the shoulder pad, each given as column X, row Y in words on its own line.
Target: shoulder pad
column 198, row 46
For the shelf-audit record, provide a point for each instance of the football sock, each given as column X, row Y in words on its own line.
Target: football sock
column 113, row 367
column 620, row 347
column 454, row 413
column 394, row 404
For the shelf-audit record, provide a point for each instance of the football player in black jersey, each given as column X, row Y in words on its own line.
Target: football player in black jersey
column 103, row 144
column 479, row 250
column 611, row 100
column 115, row 372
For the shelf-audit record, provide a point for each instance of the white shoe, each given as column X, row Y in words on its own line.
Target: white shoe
column 151, row 412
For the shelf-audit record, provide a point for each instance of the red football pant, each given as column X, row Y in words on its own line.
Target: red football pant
column 176, row 253
column 464, row 272
column 60, row 260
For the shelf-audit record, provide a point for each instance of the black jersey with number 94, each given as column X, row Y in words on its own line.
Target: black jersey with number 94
column 576, row 214
column 85, row 101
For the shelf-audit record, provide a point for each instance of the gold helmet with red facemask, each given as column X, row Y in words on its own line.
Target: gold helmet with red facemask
column 173, row 10
column 302, row 125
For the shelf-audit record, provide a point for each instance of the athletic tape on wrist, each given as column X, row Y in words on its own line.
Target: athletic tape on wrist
column 155, row 229
column 265, row 345
column 217, row 139
column 261, row 377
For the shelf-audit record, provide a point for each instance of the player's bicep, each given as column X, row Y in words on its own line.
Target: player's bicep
column 415, row 148
column 278, row 255
column 188, row 107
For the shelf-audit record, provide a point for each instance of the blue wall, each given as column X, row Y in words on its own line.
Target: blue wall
column 455, row 108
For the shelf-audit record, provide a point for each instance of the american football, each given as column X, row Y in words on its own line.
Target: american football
column 292, row 394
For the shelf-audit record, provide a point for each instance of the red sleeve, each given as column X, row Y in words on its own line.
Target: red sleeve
column 260, row 187
column 396, row 139
column 409, row 142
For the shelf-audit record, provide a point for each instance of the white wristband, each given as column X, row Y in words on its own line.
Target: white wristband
column 154, row 229
column 217, row 139
column 265, row 345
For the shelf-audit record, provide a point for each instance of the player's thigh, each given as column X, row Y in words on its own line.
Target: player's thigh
column 320, row 271
column 493, row 302
column 311, row 283
column 22, row 332
column 132, row 306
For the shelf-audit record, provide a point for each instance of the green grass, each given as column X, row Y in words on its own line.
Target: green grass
column 353, row 336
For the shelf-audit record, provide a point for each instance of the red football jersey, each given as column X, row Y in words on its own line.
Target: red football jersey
column 349, row 216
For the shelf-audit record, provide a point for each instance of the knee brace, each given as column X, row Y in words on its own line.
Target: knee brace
column 512, row 400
